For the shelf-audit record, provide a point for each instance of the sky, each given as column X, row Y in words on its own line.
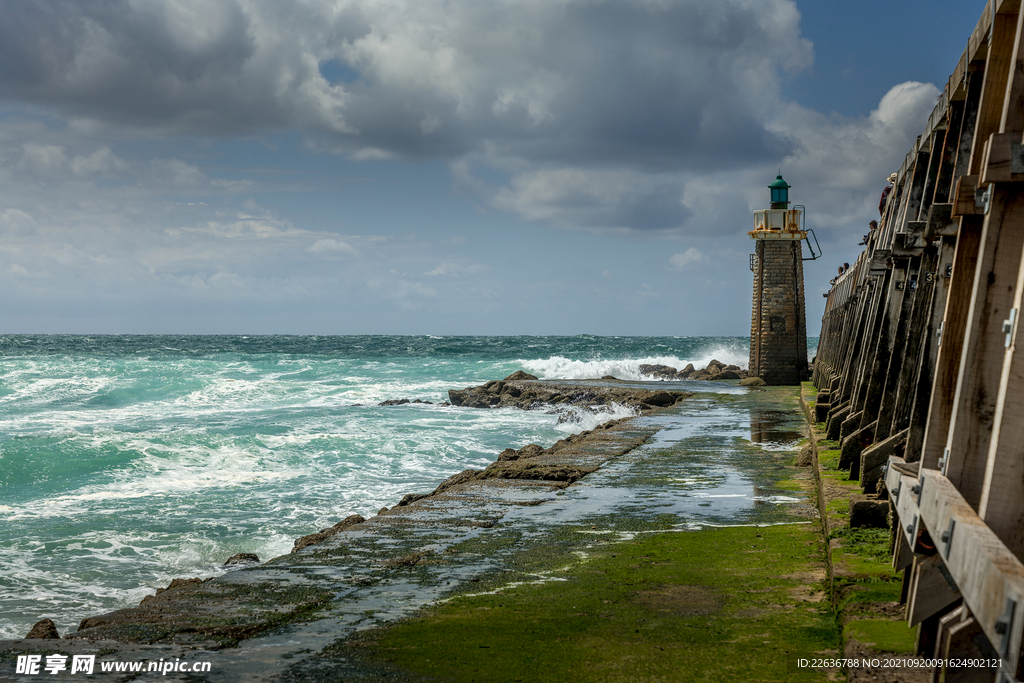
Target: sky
column 551, row 167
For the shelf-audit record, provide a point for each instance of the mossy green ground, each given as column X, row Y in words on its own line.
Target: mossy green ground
column 735, row 603
column 865, row 589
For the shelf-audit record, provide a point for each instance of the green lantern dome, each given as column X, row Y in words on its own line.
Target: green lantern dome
column 780, row 193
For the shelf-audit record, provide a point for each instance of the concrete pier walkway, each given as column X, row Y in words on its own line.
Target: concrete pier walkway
column 692, row 476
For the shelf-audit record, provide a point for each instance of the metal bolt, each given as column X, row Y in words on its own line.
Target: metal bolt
column 1001, row 625
column 916, row 488
column 945, row 537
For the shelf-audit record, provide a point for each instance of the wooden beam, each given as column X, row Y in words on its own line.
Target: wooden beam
column 974, row 403
column 944, row 183
column 993, row 90
column 932, row 590
column 1013, row 104
column 947, row 362
column 989, row 576
column 997, row 163
column 978, row 41
column 1002, row 496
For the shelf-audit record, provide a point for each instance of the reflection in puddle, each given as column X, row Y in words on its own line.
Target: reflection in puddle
column 774, row 429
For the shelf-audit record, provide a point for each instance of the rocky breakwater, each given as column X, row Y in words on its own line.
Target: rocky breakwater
column 525, row 391
column 714, row 371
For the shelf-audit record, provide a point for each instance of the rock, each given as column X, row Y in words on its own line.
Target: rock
column 806, row 456
column 44, row 629
column 243, row 558
column 609, row 377
column 716, row 364
column 382, row 510
column 700, row 375
column 734, row 368
column 727, row 374
column 519, row 375
column 530, row 396
column 659, row 371
column 411, row 498
column 324, row 534
column 394, row 402
column 687, row 371
column 406, row 560
column 659, row 398
column 460, row 478
column 753, row 382
column 743, row 374
column 867, row 511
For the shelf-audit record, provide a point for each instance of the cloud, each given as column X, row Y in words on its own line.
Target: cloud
column 647, row 84
column 331, row 247
column 687, row 258
column 458, row 270
column 574, row 197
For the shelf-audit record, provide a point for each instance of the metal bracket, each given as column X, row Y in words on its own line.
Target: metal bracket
column 944, row 461
column 918, row 489
column 982, row 197
column 1008, row 327
column 947, row 536
column 948, row 577
column 1004, row 626
column 938, row 332
column 912, row 532
column 949, row 270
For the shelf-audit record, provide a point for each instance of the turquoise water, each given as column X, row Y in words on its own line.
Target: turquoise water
column 126, row 461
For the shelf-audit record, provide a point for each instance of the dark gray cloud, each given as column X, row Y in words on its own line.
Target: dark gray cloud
column 649, row 85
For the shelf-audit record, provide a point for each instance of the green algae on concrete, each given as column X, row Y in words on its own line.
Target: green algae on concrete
column 882, row 635
column 865, row 589
column 728, row 603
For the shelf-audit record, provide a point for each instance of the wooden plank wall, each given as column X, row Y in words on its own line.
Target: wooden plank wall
column 920, row 363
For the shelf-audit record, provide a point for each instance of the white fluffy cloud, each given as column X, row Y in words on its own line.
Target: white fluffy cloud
column 687, row 258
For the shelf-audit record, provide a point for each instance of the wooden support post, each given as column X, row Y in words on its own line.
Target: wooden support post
column 944, row 182
column 933, row 590
column 899, row 354
column 1002, row 496
column 947, row 362
column 974, row 402
column 993, row 92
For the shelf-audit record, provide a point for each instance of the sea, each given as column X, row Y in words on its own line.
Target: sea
column 127, row 461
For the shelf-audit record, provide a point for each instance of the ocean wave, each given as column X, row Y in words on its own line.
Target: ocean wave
column 560, row 367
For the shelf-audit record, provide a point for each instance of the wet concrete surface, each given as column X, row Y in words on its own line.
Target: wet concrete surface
column 713, row 459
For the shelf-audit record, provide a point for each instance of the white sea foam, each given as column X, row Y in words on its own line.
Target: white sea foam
column 559, row 367
column 573, row 419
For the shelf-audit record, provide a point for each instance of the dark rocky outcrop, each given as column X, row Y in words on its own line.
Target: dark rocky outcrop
column 753, row 382
column 660, row 371
column 324, row 534
column 410, row 498
column 528, row 396
column 44, row 629
column 519, row 375
column 243, row 558
column 715, row 370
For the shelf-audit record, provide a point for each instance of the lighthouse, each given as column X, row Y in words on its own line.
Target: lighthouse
column 778, row 329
